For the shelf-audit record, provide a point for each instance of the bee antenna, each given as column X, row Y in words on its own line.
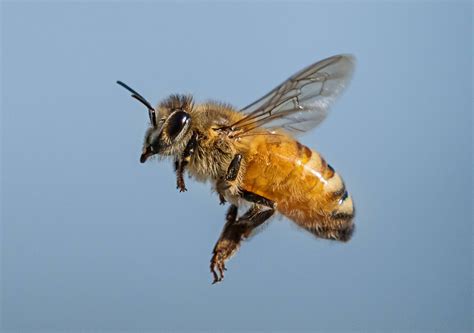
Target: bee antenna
column 137, row 96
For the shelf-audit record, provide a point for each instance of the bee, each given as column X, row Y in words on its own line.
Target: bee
column 253, row 159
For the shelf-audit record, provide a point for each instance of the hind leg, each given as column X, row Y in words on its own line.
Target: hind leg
column 235, row 230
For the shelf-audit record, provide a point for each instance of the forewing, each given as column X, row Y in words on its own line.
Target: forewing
column 301, row 102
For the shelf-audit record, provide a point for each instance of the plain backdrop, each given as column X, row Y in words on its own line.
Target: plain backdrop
column 92, row 239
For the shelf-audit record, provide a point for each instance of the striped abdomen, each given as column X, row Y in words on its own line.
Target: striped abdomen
column 305, row 188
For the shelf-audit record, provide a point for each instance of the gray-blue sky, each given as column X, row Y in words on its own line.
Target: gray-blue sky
column 93, row 239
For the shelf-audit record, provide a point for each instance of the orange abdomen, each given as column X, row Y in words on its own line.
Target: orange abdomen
column 304, row 187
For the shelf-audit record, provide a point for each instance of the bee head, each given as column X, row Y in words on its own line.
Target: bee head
column 169, row 125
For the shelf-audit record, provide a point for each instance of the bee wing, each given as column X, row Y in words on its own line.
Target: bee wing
column 299, row 103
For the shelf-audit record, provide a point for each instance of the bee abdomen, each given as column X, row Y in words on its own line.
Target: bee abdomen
column 330, row 209
column 343, row 233
column 305, row 188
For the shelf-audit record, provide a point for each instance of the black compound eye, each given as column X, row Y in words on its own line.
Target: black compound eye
column 176, row 123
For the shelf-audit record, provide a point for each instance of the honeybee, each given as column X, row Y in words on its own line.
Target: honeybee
column 252, row 156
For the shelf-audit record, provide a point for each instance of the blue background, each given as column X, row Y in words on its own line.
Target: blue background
column 93, row 239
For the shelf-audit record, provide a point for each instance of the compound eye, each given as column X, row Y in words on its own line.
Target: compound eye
column 176, row 123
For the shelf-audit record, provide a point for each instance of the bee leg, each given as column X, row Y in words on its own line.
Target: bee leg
column 180, row 164
column 233, row 169
column 222, row 199
column 231, row 175
column 235, row 230
column 180, row 178
column 231, row 217
column 257, row 199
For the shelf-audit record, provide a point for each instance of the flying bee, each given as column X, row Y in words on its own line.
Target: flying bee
column 253, row 159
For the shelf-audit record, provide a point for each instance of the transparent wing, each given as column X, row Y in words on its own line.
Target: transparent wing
column 301, row 102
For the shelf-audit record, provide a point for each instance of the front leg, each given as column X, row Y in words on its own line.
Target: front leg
column 235, row 230
column 231, row 176
column 180, row 164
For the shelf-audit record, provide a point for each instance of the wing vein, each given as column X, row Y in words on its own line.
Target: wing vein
column 299, row 103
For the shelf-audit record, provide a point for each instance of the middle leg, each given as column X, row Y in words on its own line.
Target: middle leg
column 232, row 173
